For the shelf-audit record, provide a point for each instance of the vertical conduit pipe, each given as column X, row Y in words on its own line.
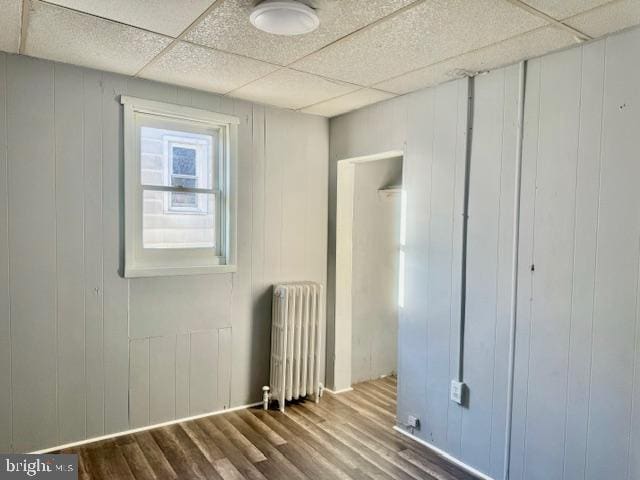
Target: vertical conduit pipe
column 514, row 272
column 465, row 226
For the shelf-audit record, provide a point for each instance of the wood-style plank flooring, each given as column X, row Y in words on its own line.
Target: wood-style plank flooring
column 345, row 436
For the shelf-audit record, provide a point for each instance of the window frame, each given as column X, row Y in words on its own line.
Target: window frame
column 141, row 262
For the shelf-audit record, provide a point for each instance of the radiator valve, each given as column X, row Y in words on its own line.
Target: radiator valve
column 265, row 397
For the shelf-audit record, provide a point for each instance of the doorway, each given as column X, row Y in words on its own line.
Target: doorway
column 368, row 289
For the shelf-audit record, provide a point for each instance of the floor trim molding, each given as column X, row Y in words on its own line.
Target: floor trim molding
column 336, row 392
column 444, row 454
column 142, row 429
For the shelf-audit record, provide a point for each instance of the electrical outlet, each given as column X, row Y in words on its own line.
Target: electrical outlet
column 413, row 422
column 457, row 391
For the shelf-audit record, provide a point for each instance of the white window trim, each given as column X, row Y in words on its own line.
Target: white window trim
column 194, row 262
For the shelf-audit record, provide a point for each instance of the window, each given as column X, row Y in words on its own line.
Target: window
column 185, row 172
column 179, row 189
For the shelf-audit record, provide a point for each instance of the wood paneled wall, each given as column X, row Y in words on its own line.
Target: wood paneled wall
column 84, row 352
column 577, row 387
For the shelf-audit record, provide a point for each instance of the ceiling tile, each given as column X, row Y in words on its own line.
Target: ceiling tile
column 608, row 18
column 200, row 67
column 65, row 36
column 348, row 102
column 10, row 21
column 290, row 89
column 429, row 33
column 169, row 17
column 528, row 45
column 227, row 28
column 560, row 9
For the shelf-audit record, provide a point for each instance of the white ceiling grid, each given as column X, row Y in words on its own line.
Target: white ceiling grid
column 364, row 51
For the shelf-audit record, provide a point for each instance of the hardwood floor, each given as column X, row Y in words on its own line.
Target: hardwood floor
column 345, row 436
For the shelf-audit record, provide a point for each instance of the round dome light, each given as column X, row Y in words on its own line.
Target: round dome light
column 286, row 17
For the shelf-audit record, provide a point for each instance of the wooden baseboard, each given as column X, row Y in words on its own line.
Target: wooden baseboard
column 142, row 429
column 444, row 454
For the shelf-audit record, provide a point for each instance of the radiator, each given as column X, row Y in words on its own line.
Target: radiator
column 295, row 343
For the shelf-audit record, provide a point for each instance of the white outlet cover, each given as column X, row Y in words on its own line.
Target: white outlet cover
column 457, row 389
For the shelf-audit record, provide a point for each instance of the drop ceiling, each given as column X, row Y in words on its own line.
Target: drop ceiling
column 364, row 51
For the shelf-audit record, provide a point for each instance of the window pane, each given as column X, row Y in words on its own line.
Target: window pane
column 184, row 200
column 189, row 222
column 164, row 153
column 184, row 161
column 184, row 182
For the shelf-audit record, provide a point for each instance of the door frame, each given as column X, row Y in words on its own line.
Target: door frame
column 340, row 362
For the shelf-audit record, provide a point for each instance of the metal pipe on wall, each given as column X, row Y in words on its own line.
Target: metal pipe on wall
column 465, row 225
column 514, row 272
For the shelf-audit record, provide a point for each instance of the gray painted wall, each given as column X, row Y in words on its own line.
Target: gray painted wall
column 376, row 235
column 577, row 389
column 577, row 385
column 84, row 352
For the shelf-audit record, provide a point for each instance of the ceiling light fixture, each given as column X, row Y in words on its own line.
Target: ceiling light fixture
column 284, row 17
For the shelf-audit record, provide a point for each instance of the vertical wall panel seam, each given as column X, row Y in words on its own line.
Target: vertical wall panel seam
column 427, row 282
column 453, row 223
column 573, row 262
column 595, row 257
column 452, row 213
column 455, row 156
column 497, row 280
column 250, row 263
column 264, row 188
column 306, row 209
column 467, row 139
column 129, row 374
column 532, row 286
column 217, row 399
column 635, row 366
column 282, row 210
column 189, row 373
column 84, row 252
column 128, row 339
column 253, row 166
column 6, row 153
column 55, row 229
column 252, row 206
column 101, row 273
column 148, row 381
column 104, row 382
column 175, row 374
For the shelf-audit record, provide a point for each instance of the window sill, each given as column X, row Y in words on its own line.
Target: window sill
column 139, row 272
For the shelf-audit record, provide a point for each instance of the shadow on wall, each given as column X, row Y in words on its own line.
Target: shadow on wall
column 260, row 341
